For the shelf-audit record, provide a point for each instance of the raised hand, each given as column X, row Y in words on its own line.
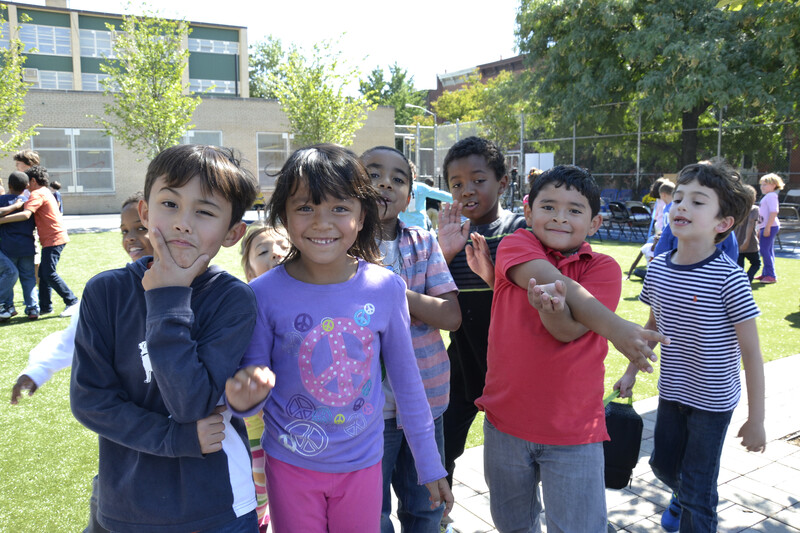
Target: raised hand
column 165, row 272
column 452, row 235
column 479, row 258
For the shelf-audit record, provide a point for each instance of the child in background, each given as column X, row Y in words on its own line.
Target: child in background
column 327, row 317
column 548, row 351
column 263, row 248
column 768, row 224
column 155, row 344
column 17, row 252
column 702, row 301
column 747, row 237
column 413, row 254
column 475, row 171
column 665, row 193
column 55, row 188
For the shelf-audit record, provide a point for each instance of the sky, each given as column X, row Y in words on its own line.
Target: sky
column 425, row 37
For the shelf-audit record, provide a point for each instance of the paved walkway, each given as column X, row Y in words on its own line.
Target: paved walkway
column 758, row 492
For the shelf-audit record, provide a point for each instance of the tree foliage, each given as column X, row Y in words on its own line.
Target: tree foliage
column 266, row 57
column 12, row 95
column 674, row 58
column 151, row 109
column 311, row 91
column 396, row 92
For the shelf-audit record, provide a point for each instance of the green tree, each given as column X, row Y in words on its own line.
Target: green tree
column 151, row 109
column 396, row 92
column 12, row 93
column 312, row 94
column 675, row 58
column 266, row 57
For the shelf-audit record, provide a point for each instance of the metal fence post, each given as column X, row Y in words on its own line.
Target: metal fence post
column 574, row 133
column 719, row 135
column 416, row 155
column 638, row 150
column 458, row 129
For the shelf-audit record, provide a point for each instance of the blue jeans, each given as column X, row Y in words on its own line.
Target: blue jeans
column 8, row 277
column 27, row 278
column 413, row 505
column 573, row 484
column 687, row 445
column 49, row 279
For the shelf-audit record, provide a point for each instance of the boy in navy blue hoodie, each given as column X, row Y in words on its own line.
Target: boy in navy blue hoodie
column 156, row 342
column 17, row 251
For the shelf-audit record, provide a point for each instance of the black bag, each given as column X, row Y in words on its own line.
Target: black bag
column 624, row 426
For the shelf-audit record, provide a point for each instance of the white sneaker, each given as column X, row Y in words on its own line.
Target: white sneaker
column 70, row 310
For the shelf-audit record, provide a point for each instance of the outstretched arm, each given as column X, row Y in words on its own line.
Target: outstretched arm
column 550, row 301
column 16, row 206
column 630, row 339
column 16, row 217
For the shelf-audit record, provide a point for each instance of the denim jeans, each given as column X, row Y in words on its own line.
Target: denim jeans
column 755, row 263
column 413, row 505
column 573, row 484
column 49, row 279
column 687, row 445
column 8, row 277
column 27, row 278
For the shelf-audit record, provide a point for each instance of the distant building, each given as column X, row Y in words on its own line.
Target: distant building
column 96, row 171
column 452, row 81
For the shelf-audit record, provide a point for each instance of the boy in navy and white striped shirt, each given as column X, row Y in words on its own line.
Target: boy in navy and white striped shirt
column 702, row 301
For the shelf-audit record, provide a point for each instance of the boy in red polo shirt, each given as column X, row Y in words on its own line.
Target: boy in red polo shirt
column 43, row 206
column 543, row 397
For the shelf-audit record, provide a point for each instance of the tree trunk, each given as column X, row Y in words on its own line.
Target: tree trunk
column 689, row 122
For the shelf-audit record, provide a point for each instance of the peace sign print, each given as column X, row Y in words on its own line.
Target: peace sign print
column 303, row 322
column 355, row 425
column 305, row 438
column 342, row 369
column 300, row 407
column 361, row 317
column 292, row 342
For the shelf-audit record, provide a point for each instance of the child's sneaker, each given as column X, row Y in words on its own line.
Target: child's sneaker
column 32, row 312
column 671, row 519
column 5, row 313
column 768, row 279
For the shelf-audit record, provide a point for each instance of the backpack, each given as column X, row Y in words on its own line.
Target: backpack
column 624, row 426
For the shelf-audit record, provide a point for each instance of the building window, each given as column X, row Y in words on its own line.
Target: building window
column 213, row 47
column 81, row 159
column 212, row 86
column 97, row 43
column 4, row 40
column 91, row 81
column 273, row 151
column 202, row 137
column 48, row 40
column 52, row 79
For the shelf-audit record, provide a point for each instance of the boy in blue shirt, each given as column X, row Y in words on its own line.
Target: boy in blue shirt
column 702, row 300
column 17, row 251
column 156, row 342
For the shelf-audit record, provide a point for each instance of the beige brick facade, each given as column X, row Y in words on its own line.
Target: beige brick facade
column 239, row 119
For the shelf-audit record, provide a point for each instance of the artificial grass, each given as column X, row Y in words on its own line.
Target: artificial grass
column 49, row 459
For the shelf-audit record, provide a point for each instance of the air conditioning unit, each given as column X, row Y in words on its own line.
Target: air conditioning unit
column 30, row 75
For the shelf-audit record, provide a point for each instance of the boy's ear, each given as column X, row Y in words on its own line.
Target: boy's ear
column 528, row 214
column 234, row 234
column 503, row 184
column 724, row 224
column 143, row 211
column 597, row 221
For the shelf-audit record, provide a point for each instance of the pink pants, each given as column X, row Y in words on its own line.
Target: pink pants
column 318, row 502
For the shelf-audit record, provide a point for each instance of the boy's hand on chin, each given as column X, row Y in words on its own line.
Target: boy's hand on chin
column 165, row 272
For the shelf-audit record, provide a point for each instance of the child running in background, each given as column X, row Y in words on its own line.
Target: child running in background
column 747, row 237
column 263, row 248
column 768, row 224
column 327, row 318
column 702, row 301
column 413, row 254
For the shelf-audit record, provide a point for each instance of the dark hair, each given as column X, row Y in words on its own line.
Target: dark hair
column 654, row 188
column 134, row 198
column 476, row 146
column 39, row 174
column 18, row 181
column 329, row 170
column 734, row 200
column 219, row 169
column 28, row 157
column 572, row 177
column 395, row 151
column 55, row 184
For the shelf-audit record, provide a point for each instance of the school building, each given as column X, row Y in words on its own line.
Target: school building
column 64, row 50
